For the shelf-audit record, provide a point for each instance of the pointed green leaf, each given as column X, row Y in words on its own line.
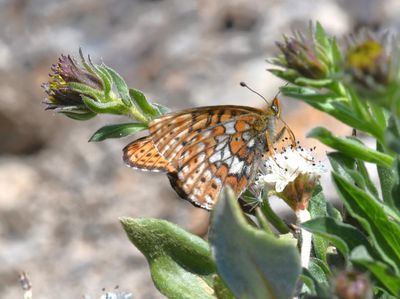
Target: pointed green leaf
column 306, row 93
column 180, row 263
column 161, row 109
column 316, row 275
column 386, row 177
column 381, row 272
column 105, row 78
column 345, row 237
column 392, row 134
column 252, row 263
column 312, row 82
column 98, row 107
column 362, row 169
column 317, row 208
column 221, row 289
column 320, row 36
column 353, row 170
column 329, row 103
column 121, row 86
column 396, row 185
column 350, row 147
column 369, row 212
column 140, row 100
column 79, row 116
column 117, row 131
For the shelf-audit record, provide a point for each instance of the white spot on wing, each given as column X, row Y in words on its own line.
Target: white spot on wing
column 207, row 174
column 208, row 199
column 247, row 170
column 220, row 146
column 200, row 146
column 216, row 157
column 226, row 153
column 229, row 161
column 185, row 169
column 246, row 136
column 201, row 158
column 236, row 166
column 230, row 128
column 251, row 143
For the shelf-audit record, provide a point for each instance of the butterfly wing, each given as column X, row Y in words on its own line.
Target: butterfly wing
column 210, row 147
column 142, row 154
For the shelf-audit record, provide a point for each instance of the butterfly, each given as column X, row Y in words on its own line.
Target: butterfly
column 204, row 149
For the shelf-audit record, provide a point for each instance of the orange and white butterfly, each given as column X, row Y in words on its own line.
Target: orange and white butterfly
column 205, row 149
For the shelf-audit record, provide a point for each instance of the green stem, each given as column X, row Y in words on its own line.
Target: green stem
column 274, row 219
column 263, row 221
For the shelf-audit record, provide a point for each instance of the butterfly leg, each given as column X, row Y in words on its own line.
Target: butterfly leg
column 279, row 135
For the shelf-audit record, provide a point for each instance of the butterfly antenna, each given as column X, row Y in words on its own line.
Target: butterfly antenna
column 257, row 93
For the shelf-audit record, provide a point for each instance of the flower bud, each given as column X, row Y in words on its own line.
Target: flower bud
column 68, row 81
column 372, row 66
column 368, row 63
column 352, row 285
column 301, row 56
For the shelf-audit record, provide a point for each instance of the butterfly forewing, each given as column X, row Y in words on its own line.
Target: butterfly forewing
column 142, row 154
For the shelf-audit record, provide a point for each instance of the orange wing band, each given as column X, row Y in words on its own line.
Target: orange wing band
column 142, row 154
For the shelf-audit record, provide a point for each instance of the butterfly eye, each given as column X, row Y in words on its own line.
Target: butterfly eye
column 275, row 106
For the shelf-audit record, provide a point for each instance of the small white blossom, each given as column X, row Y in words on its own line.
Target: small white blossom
column 284, row 167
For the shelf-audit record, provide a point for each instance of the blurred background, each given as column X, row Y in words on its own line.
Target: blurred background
column 60, row 196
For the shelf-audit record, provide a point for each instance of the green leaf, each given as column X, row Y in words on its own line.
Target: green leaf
column 317, row 208
column 140, row 100
column 360, row 107
column 312, row 82
column 386, row 177
column 383, row 232
column 316, row 275
column 121, row 86
column 109, row 107
column 320, row 36
column 105, row 78
column 306, row 93
column 161, row 109
column 252, row 263
column 117, row 131
column 392, row 134
column 79, row 116
column 336, row 55
column 368, row 182
column 350, row 147
column 332, row 104
column 380, row 271
column 347, row 166
column 221, row 289
column 180, row 263
column 345, row 114
column 343, row 236
column 396, row 185
column 333, row 212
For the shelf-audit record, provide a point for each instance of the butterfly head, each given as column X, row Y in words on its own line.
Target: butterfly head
column 275, row 107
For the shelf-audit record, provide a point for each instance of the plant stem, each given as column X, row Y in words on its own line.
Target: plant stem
column 306, row 238
column 274, row 219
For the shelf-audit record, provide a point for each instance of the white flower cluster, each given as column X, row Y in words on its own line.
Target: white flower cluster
column 285, row 167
